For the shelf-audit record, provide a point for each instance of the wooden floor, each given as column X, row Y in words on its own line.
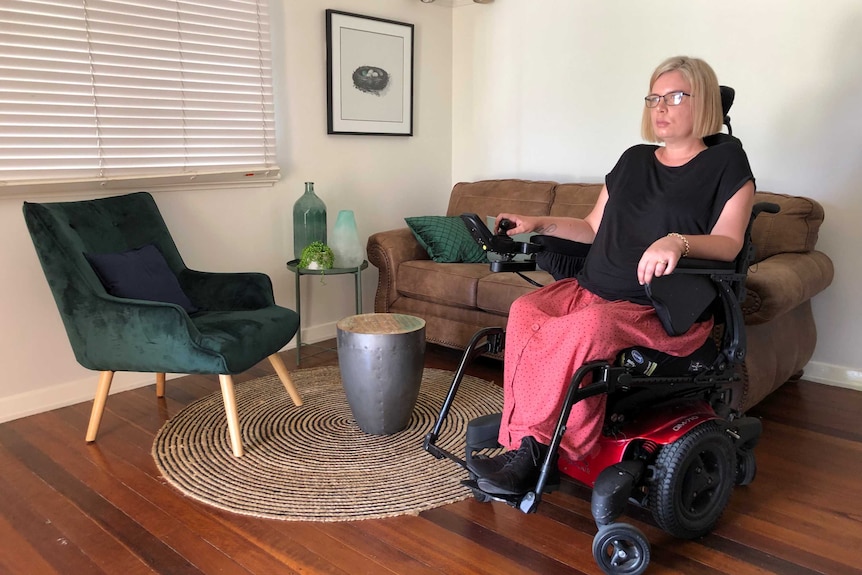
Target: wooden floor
column 71, row 508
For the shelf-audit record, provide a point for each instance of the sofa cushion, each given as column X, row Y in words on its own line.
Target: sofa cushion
column 446, row 239
column 449, row 284
column 575, row 200
column 512, row 196
column 793, row 230
column 497, row 291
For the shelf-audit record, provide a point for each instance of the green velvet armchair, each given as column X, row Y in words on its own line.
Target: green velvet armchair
column 209, row 323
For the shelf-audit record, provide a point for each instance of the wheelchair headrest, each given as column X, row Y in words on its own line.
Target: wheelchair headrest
column 727, row 96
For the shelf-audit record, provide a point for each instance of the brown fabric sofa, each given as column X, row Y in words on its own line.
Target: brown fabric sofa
column 457, row 299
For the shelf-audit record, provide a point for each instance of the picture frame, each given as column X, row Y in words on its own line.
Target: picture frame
column 369, row 81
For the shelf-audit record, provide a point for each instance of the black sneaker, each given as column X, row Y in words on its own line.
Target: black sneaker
column 482, row 466
column 520, row 473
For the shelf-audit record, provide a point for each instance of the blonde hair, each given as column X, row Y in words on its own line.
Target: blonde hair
column 705, row 96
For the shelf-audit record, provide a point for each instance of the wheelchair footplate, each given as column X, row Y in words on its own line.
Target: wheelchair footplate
column 526, row 502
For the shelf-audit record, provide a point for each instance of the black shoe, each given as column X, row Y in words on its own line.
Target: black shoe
column 482, row 466
column 520, row 473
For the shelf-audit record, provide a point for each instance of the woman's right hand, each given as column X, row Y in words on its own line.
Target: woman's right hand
column 574, row 229
column 521, row 224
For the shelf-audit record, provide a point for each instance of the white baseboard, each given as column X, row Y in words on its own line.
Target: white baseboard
column 69, row 393
column 72, row 392
column 319, row 333
column 836, row 375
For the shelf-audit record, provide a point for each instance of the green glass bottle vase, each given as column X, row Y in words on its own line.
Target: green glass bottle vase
column 309, row 220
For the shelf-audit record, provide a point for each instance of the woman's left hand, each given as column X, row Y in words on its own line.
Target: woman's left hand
column 658, row 260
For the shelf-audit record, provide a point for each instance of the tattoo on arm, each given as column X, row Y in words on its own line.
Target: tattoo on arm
column 546, row 230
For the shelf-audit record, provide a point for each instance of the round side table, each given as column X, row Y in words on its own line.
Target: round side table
column 381, row 357
column 293, row 265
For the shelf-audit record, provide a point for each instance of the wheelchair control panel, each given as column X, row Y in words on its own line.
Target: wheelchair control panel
column 501, row 244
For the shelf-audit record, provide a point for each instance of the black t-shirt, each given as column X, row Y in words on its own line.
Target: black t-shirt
column 647, row 200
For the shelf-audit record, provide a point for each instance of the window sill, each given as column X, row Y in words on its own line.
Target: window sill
column 232, row 180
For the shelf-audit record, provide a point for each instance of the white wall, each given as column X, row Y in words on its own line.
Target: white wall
column 552, row 89
column 383, row 179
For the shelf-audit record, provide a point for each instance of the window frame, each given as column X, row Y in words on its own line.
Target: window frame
column 256, row 139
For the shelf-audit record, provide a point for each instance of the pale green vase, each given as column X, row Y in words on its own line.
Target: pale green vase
column 345, row 243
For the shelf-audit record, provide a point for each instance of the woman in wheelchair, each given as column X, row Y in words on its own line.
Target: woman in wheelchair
column 660, row 203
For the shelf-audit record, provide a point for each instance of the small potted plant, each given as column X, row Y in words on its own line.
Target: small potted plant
column 317, row 256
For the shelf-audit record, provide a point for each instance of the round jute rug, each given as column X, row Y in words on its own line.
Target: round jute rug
column 313, row 463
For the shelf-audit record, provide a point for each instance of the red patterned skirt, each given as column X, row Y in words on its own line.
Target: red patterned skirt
column 552, row 332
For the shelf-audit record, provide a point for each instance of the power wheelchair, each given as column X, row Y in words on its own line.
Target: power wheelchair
column 671, row 442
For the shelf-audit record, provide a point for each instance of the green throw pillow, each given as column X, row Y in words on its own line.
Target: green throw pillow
column 446, row 239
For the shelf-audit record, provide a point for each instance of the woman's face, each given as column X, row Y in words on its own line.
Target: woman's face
column 672, row 123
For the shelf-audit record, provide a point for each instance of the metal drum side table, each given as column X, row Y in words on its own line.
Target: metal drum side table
column 293, row 265
column 381, row 357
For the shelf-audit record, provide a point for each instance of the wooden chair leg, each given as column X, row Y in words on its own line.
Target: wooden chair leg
column 284, row 376
column 101, row 398
column 227, row 392
column 160, row 385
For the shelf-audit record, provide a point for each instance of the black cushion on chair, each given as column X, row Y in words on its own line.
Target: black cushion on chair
column 141, row 273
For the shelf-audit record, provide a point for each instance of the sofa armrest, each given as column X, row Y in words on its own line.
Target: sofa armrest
column 386, row 250
column 781, row 282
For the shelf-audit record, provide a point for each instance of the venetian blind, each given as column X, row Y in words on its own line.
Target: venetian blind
column 132, row 92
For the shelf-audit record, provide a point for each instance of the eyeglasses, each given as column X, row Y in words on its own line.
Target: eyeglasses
column 672, row 99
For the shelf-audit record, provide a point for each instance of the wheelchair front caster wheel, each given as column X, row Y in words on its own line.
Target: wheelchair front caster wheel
column 621, row 549
column 746, row 466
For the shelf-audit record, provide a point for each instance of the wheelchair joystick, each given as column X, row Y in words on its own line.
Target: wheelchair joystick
column 504, row 226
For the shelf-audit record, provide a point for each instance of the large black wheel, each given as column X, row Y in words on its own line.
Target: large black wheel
column 621, row 549
column 694, row 477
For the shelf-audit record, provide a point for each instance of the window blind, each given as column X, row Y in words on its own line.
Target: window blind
column 125, row 92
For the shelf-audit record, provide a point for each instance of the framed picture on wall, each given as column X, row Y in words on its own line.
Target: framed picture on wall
column 369, row 82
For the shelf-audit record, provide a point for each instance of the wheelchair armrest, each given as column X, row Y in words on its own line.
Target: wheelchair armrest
column 680, row 299
column 704, row 267
column 739, row 265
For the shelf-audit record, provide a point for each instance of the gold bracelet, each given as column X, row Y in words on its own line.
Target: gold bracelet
column 684, row 241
